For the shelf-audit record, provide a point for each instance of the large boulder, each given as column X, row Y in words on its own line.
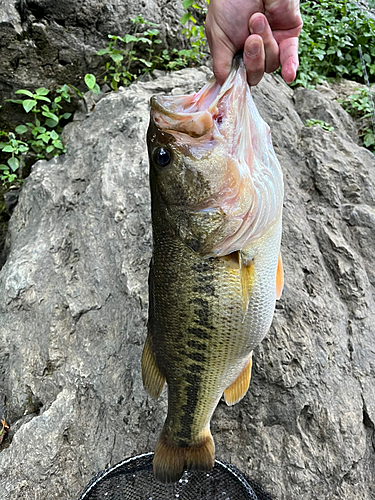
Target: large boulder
column 73, row 299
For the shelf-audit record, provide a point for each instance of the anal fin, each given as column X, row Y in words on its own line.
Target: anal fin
column 153, row 380
column 236, row 391
column 279, row 277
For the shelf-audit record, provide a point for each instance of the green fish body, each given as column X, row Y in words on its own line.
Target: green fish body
column 216, row 190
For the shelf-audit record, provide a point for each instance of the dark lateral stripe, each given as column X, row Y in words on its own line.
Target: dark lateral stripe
column 199, row 332
column 201, row 278
column 194, row 368
column 200, row 302
column 197, row 345
column 206, row 289
column 193, row 381
column 202, row 312
column 202, row 266
column 196, row 356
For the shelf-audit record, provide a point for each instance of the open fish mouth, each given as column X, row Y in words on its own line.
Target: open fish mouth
column 221, row 133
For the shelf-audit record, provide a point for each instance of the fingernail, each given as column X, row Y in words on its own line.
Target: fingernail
column 258, row 25
column 253, row 50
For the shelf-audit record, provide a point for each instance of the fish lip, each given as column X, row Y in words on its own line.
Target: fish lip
column 197, row 114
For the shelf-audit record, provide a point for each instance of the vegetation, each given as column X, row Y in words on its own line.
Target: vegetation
column 140, row 52
column 361, row 106
column 40, row 137
column 319, row 123
column 330, row 40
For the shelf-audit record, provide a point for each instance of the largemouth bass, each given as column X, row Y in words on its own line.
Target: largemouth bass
column 216, row 271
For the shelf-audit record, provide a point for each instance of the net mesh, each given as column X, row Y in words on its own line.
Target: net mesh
column 133, row 479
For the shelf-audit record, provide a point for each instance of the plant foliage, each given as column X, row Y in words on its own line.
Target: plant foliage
column 141, row 52
column 330, row 40
column 40, row 136
column 361, row 106
column 319, row 123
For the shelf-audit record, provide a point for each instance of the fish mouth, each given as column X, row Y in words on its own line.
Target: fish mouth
column 197, row 114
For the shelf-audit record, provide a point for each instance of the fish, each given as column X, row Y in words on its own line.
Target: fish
column 216, row 268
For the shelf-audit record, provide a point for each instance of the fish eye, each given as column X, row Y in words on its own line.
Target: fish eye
column 162, row 157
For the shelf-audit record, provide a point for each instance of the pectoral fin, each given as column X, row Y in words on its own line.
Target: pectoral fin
column 247, row 279
column 153, row 380
column 279, row 277
column 236, row 391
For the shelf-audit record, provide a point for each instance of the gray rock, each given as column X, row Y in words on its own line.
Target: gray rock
column 313, row 104
column 73, row 300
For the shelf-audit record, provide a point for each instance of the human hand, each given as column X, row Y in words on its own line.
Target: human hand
column 266, row 30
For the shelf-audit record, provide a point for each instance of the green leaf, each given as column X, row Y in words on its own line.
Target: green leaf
column 117, row 58
column 8, row 149
column 4, row 167
column 90, row 80
column 13, row 163
column 50, row 115
column 50, row 123
column 14, row 101
column 369, row 139
column 23, row 148
column 64, row 89
column 42, row 98
column 45, row 137
column 146, row 63
column 28, row 104
column 42, row 91
column 58, row 144
column 187, row 3
column 21, row 129
column 129, row 38
column 96, row 89
column 49, row 149
column 101, row 52
column 54, row 135
column 66, row 116
column 185, row 18
column 145, row 40
column 25, row 92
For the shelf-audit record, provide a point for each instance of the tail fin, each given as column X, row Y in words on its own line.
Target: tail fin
column 170, row 460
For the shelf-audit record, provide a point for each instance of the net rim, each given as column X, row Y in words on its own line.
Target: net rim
column 232, row 469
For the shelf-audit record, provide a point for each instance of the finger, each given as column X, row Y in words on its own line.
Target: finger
column 222, row 52
column 254, row 59
column 258, row 24
column 289, row 59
